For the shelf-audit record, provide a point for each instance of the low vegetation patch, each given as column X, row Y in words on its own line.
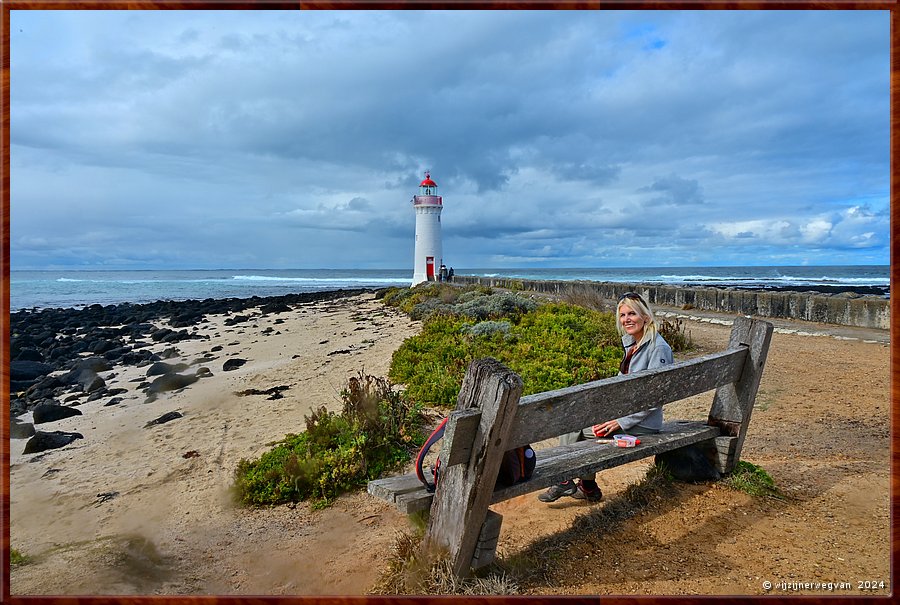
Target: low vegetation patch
column 377, row 431
column 550, row 346
column 673, row 330
column 17, row 558
column 408, row 573
column 753, row 480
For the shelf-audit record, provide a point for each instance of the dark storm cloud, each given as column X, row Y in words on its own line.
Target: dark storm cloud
column 563, row 137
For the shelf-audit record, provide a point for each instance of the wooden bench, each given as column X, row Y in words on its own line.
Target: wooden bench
column 492, row 417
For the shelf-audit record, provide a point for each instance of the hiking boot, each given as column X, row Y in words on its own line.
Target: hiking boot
column 588, row 492
column 555, row 492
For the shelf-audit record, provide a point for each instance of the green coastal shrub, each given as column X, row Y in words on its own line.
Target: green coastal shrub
column 488, row 328
column 472, row 292
column 377, row 431
column 495, row 306
column 406, row 299
column 550, row 347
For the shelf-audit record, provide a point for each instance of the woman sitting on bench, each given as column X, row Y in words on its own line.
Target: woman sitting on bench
column 645, row 349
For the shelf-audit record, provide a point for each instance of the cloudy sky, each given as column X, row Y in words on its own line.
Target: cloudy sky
column 266, row 139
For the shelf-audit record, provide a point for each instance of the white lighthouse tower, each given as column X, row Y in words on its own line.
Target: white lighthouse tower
column 428, row 255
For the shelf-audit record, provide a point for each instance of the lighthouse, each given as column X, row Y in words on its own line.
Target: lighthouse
column 428, row 254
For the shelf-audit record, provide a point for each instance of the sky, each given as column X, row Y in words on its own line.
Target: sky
column 270, row 139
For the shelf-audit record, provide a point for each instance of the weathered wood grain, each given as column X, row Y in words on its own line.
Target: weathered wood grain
column 553, row 413
column 586, row 457
column 464, row 492
column 388, row 488
column 733, row 403
column 562, row 462
column 486, row 549
column 459, row 435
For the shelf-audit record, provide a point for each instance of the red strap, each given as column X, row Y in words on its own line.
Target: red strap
column 435, row 435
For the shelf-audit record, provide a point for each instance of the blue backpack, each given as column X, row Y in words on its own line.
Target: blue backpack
column 517, row 464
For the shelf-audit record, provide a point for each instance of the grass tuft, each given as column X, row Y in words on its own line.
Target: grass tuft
column 751, row 479
column 408, row 572
column 17, row 558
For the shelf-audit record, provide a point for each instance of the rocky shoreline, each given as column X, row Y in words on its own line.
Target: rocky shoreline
column 57, row 355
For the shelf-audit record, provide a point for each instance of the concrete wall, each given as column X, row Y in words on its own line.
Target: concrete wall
column 865, row 312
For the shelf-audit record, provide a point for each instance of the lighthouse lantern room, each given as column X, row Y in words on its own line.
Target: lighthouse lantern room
column 428, row 252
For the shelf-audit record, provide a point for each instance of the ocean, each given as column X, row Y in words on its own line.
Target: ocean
column 63, row 289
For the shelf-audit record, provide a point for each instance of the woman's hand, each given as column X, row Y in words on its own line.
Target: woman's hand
column 606, row 429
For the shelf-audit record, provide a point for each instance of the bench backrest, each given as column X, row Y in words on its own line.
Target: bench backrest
column 734, row 373
column 553, row 413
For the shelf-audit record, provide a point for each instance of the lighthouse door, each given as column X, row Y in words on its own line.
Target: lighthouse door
column 429, row 268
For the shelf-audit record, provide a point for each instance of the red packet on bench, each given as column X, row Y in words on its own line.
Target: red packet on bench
column 626, row 440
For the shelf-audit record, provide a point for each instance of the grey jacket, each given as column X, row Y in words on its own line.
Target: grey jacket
column 651, row 355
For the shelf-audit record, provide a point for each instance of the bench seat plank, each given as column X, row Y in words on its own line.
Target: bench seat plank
column 564, row 462
column 390, row 488
column 555, row 464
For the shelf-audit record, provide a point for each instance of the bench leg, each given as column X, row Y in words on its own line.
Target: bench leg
column 726, row 447
column 486, row 549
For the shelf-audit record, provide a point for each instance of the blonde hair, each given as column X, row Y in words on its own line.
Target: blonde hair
column 637, row 304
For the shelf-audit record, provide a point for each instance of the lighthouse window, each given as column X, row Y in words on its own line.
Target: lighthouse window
column 439, row 218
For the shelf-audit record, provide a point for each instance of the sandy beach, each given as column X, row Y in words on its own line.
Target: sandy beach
column 131, row 509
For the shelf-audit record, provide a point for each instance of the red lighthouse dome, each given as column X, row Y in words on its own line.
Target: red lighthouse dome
column 427, row 182
column 427, row 189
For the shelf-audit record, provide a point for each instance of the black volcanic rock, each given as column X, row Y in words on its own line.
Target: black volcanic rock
column 102, row 345
column 116, row 353
column 233, row 364
column 28, row 370
column 52, row 411
column 96, row 364
column 42, row 441
column 274, row 308
column 29, row 355
column 115, row 335
column 17, row 386
column 87, row 379
column 20, row 430
column 170, row 382
column 167, row 417
column 160, row 368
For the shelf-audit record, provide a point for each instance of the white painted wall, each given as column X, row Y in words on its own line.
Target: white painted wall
column 428, row 236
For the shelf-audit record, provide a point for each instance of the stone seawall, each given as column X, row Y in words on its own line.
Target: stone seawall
column 839, row 309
